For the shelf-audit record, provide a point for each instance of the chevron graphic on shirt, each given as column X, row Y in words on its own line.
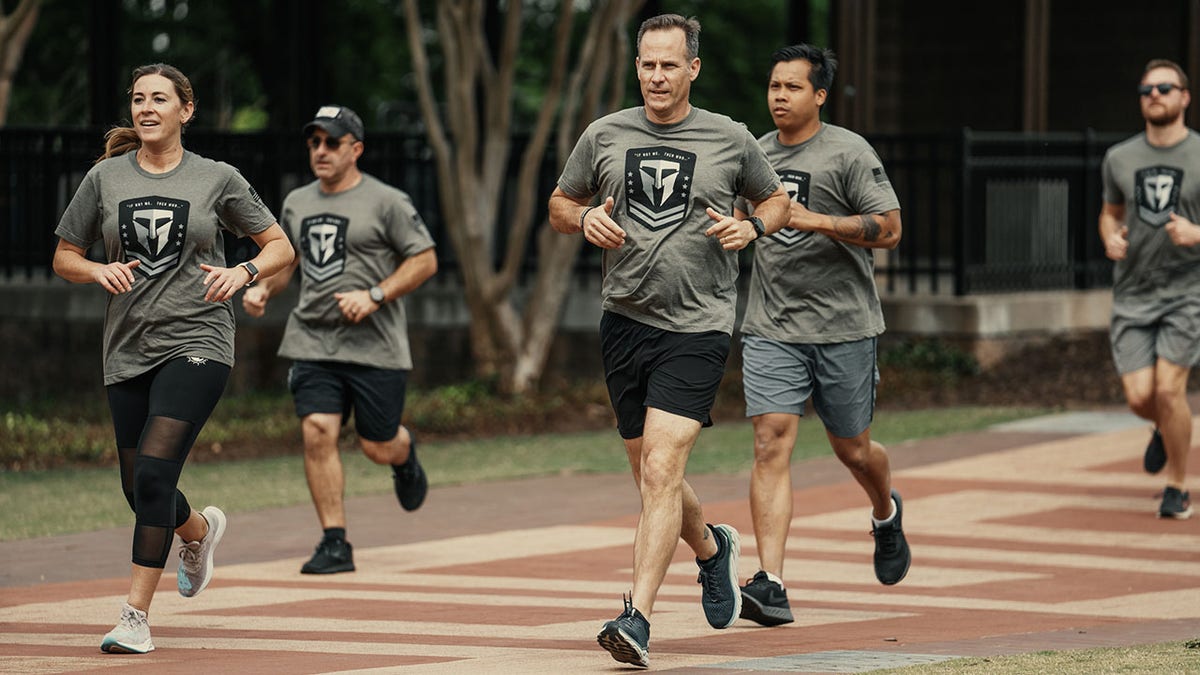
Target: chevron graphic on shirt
column 797, row 185
column 323, row 241
column 1156, row 191
column 658, row 185
column 152, row 231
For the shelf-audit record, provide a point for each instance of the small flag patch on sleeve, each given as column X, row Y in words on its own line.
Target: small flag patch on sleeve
column 880, row 176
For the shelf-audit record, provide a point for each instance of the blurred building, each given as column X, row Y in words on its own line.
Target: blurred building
column 1034, row 65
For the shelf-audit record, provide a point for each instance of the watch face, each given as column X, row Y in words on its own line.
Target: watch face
column 377, row 294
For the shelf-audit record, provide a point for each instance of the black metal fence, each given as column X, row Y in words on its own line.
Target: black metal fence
column 983, row 212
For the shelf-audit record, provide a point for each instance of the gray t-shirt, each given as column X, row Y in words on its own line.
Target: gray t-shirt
column 350, row 241
column 667, row 274
column 1152, row 182
column 807, row 287
column 172, row 223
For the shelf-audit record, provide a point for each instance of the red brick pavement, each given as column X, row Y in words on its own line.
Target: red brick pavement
column 1021, row 541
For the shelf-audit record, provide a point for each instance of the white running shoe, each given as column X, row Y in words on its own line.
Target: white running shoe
column 196, row 557
column 131, row 636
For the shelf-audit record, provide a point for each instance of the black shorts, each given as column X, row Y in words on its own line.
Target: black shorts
column 376, row 395
column 648, row 367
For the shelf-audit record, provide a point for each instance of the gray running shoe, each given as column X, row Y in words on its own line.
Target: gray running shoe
column 332, row 556
column 1175, row 504
column 892, row 556
column 765, row 602
column 627, row 637
column 131, row 636
column 1156, row 454
column 196, row 557
column 720, row 595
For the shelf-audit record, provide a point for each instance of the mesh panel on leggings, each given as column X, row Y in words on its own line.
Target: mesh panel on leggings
column 164, row 445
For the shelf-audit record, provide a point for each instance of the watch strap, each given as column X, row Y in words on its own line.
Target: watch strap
column 250, row 267
column 759, row 228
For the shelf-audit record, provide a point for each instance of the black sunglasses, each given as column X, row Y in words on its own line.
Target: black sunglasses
column 1163, row 88
column 330, row 142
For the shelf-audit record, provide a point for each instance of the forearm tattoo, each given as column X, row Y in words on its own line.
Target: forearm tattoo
column 862, row 228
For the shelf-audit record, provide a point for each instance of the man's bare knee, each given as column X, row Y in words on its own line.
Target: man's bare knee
column 380, row 452
column 320, row 437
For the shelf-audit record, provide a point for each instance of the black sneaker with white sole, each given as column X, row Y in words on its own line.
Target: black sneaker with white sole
column 1175, row 504
column 765, row 602
column 720, row 595
column 627, row 637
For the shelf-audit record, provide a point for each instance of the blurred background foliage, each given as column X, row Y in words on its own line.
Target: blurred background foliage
column 354, row 52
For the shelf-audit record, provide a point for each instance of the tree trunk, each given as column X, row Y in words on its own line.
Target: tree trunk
column 15, row 30
column 473, row 159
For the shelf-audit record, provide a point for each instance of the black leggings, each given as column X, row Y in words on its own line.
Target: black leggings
column 157, row 416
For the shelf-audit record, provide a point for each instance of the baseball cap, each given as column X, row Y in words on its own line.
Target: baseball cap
column 337, row 121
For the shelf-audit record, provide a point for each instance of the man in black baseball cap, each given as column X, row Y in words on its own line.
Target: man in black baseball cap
column 337, row 121
column 363, row 247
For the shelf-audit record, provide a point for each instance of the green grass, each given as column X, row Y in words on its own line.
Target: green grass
column 1163, row 658
column 32, row 500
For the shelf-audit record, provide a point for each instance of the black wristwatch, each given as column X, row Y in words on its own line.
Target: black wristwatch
column 252, row 270
column 377, row 295
column 759, row 228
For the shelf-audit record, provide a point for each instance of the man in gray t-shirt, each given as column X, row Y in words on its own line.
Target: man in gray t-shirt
column 668, row 174
column 812, row 319
column 1148, row 224
column 362, row 246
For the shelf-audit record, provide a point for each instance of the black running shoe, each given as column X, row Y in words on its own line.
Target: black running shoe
column 627, row 637
column 1156, row 454
column 892, row 556
column 720, row 596
column 332, row 556
column 765, row 602
column 409, row 479
column 1175, row 504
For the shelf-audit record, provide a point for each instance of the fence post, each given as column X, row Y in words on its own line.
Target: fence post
column 961, row 242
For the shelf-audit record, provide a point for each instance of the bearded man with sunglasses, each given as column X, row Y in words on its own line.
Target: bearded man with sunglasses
column 363, row 246
column 1148, row 225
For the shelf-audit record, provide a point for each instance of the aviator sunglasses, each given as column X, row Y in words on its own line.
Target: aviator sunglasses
column 1163, row 88
column 330, row 142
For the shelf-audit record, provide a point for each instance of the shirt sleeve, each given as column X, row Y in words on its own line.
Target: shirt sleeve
column 868, row 188
column 81, row 222
column 1112, row 191
column 240, row 208
column 406, row 229
column 758, row 177
column 578, row 179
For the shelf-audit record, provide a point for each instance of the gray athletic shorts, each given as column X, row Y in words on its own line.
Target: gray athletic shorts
column 840, row 377
column 1149, row 326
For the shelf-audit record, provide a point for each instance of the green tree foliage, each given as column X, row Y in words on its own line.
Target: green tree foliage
column 253, row 62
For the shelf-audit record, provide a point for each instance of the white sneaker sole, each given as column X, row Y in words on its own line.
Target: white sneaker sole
column 216, row 530
column 114, row 646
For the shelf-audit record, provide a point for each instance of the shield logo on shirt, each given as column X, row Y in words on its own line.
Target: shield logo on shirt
column 797, row 184
column 152, row 231
column 323, row 240
column 658, row 185
column 1156, row 191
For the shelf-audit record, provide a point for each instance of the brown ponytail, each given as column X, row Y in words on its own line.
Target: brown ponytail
column 118, row 141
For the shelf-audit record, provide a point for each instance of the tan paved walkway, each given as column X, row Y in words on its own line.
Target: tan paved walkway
column 1022, row 540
